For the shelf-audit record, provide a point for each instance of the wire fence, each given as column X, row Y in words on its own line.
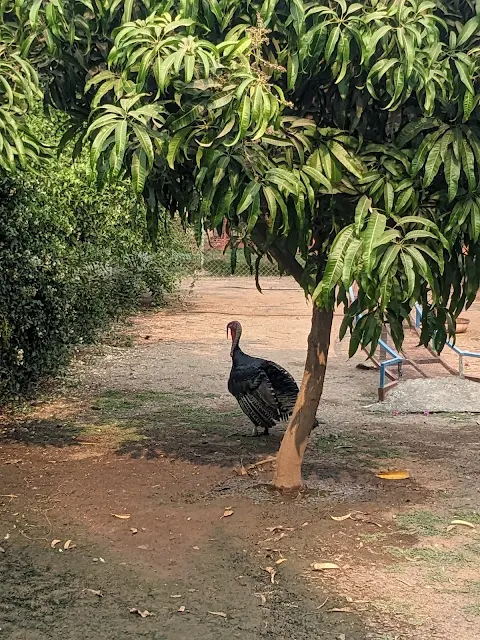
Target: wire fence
column 213, row 259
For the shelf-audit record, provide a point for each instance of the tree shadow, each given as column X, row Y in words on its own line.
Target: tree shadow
column 45, row 433
column 202, row 444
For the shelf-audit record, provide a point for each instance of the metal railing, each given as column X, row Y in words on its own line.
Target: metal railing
column 383, row 365
column 461, row 353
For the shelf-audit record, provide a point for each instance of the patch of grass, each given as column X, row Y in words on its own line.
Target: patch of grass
column 421, row 523
column 469, row 516
column 373, row 537
column 433, row 556
column 364, row 450
column 473, row 609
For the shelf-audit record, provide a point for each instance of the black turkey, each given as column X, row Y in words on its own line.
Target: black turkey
column 265, row 392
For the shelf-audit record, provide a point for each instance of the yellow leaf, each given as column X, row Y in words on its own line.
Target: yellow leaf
column 322, row 566
column 228, row 512
column 463, row 523
column 121, row 516
column 272, row 573
column 341, row 518
column 393, row 475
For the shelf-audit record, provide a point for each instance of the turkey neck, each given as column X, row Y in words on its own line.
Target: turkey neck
column 235, row 351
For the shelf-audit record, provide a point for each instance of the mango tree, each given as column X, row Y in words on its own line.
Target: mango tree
column 340, row 138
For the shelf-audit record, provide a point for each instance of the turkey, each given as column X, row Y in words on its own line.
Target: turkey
column 265, row 392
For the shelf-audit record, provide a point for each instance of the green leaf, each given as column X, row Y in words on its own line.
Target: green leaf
column 420, row 262
column 352, row 256
column 332, row 42
column 248, row 195
column 409, row 273
column 468, row 164
column 388, row 197
column 334, row 268
column 468, row 29
column 424, row 149
column 375, row 228
column 220, row 169
column 364, row 205
column 432, row 165
column 342, row 155
column 318, row 177
column 139, row 170
column 388, row 259
column 145, row 143
column 283, row 179
column 412, row 130
column 120, row 144
column 465, row 74
column 175, row 144
column 292, row 69
column 186, row 119
column 452, row 174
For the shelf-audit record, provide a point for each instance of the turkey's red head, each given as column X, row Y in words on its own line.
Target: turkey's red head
column 235, row 329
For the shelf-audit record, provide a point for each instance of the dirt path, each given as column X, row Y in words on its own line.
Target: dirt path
column 150, row 431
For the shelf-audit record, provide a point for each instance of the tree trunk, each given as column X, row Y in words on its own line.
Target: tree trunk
column 288, row 475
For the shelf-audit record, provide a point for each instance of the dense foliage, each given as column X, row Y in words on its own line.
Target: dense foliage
column 71, row 261
column 344, row 133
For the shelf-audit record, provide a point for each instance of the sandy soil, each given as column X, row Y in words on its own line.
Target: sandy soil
column 150, row 432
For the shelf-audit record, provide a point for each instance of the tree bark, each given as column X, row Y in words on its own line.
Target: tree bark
column 288, row 474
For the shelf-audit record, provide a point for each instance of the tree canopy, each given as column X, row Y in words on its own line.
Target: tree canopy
column 342, row 137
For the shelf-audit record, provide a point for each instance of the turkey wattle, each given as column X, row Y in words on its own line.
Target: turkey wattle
column 265, row 392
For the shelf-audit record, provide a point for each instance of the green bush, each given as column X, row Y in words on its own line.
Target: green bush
column 72, row 260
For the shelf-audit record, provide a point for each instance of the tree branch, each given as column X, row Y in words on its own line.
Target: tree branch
column 286, row 261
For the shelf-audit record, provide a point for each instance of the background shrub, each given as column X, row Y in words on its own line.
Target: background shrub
column 72, row 260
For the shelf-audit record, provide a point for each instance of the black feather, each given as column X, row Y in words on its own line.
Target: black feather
column 265, row 391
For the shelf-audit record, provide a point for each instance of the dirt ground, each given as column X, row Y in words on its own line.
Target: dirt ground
column 137, row 454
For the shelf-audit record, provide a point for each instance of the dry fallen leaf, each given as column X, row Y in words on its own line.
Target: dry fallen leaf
column 398, row 474
column 322, row 566
column 341, row 518
column 133, row 530
column 94, row 592
column 339, row 610
column 240, row 471
column 279, row 527
column 450, row 527
column 121, row 516
column 463, row 523
column 2, row 550
column 270, row 459
column 280, row 561
column 142, row 614
column 6, row 536
column 176, row 595
column 68, row 545
column 54, row 543
column 218, row 613
column 181, row 609
column 228, row 512
column 272, row 573
column 262, row 598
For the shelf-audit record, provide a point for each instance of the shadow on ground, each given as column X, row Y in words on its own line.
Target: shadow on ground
column 54, row 433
